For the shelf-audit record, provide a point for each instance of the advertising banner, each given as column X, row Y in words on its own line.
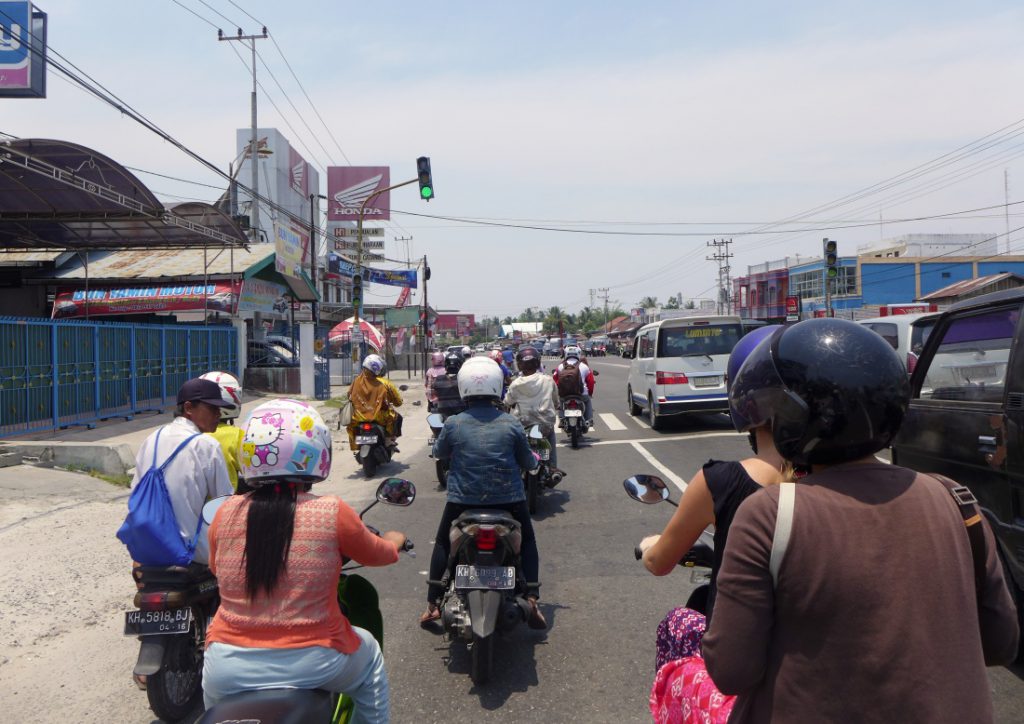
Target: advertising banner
column 291, row 247
column 22, row 51
column 217, row 296
column 260, row 296
column 349, row 186
column 403, row 297
column 392, row 277
column 402, row 317
column 792, row 309
column 298, row 173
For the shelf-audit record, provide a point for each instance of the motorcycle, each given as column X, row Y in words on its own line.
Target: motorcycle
column 484, row 589
column 651, row 489
column 372, row 441
column 436, row 423
column 173, row 607
column 359, row 603
column 572, row 420
column 535, row 481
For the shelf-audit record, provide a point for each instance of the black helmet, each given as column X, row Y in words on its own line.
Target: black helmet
column 832, row 390
column 527, row 359
column 453, row 363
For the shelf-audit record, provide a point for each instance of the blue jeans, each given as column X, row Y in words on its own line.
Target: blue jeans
column 229, row 669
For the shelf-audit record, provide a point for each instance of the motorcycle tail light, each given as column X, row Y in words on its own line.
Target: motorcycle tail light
column 671, row 378
column 159, row 600
column 486, row 538
column 366, row 426
column 572, row 404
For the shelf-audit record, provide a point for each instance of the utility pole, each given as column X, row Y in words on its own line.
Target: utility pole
column 405, row 240
column 603, row 296
column 724, row 280
column 426, row 311
column 254, row 210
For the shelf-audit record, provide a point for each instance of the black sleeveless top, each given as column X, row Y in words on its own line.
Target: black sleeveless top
column 729, row 485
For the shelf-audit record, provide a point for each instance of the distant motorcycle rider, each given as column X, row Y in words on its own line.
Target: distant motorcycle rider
column 373, row 399
column 436, row 370
column 446, row 387
column 572, row 359
column 506, row 373
column 533, row 399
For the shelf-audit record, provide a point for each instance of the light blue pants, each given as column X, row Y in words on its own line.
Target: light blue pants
column 231, row 669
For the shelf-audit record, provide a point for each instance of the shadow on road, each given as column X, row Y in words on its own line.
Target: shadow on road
column 551, row 503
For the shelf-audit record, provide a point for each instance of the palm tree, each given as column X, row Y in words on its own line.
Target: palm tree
column 648, row 302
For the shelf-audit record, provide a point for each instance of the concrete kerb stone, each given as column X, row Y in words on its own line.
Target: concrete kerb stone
column 110, row 459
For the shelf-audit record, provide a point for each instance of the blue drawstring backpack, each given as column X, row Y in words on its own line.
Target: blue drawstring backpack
column 150, row 530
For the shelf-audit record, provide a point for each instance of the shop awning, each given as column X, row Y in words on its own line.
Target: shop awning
column 302, row 288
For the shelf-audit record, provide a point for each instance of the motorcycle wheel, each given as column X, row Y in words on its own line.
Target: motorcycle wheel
column 532, row 484
column 575, row 436
column 442, row 473
column 481, row 659
column 369, row 465
column 176, row 690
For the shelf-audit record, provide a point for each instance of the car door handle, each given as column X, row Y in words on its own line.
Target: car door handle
column 987, row 443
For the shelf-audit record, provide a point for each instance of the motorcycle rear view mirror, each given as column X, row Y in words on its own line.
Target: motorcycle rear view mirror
column 435, row 420
column 648, row 489
column 211, row 508
column 395, row 491
column 403, row 388
column 535, row 433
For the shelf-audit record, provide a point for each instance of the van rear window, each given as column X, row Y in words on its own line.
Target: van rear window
column 709, row 339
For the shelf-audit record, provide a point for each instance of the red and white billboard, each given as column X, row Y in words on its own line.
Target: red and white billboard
column 349, row 186
column 909, row 308
column 216, row 297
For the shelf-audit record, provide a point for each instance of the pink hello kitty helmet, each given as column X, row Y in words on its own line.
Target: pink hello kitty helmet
column 285, row 440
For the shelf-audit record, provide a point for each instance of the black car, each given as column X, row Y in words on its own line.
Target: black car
column 966, row 416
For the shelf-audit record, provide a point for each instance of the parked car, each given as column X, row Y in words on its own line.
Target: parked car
column 906, row 333
column 263, row 353
column 966, row 413
column 679, row 366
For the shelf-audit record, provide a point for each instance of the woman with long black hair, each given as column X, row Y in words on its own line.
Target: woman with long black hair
column 277, row 554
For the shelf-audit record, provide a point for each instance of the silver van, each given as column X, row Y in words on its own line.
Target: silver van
column 679, row 366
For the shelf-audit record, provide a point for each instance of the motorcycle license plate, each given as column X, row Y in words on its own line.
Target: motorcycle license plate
column 147, row 623
column 574, row 413
column 498, row 578
column 544, row 454
column 366, row 439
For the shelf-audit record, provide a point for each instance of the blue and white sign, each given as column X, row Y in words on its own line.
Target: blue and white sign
column 22, row 50
column 392, row 277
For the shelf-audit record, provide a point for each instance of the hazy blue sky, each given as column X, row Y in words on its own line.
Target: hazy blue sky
column 689, row 118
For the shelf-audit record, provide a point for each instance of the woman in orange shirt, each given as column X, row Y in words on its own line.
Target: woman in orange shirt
column 277, row 554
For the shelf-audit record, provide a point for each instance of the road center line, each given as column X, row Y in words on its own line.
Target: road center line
column 611, row 421
column 677, row 438
column 679, row 482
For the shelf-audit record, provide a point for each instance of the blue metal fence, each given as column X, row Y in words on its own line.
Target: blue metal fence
column 54, row 374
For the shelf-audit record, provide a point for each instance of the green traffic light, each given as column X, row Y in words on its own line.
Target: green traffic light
column 426, row 192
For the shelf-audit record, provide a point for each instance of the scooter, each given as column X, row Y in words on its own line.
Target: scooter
column 537, row 480
column 651, row 489
column 572, row 420
column 484, row 589
column 373, row 445
column 436, row 423
column 359, row 603
column 173, row 606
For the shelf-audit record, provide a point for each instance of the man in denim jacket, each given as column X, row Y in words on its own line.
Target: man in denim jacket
column 488, row 450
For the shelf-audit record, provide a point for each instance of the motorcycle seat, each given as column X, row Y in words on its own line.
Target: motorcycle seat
column 487, row 517
column 282, row 706
column 172, row 575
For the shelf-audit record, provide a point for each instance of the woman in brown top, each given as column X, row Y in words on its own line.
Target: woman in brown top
column 875, row 614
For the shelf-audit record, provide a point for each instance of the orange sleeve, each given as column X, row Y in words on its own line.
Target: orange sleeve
column 355, row 541
column 211, row 536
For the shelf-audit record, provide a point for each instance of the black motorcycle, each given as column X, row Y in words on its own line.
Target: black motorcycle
column 572, row 419
column 372, row 446
column 484, row 586
column 536, row 481
column 651, row 489
column 436, row 423
column 360, row 604
column 174, row 605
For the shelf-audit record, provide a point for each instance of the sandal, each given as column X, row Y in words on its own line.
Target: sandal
column 433, row 613
column 140, row 681
column 536, row 619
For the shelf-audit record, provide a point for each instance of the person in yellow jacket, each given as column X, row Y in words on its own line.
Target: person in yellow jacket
column 229, row 436
column 374, row 398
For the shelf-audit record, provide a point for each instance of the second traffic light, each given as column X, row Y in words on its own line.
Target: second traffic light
column 357, row 292
column 426, row 182
column 831, row 258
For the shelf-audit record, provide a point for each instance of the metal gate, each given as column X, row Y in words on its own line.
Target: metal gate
column 54, row 374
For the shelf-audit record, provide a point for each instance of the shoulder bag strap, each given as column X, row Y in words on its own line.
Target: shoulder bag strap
column 156, row 446
column 783, row 527
column 968, row 506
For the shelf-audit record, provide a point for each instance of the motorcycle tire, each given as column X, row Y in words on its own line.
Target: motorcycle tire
column 369, row 465
column 176, row 690
column 574, row 434
column 532, row 485
column 481, row 659
column 442, row 473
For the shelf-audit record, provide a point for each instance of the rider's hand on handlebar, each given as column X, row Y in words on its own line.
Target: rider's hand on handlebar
column 394, row 537
column 648, row 542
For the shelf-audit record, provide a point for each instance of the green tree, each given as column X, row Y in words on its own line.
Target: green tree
column 672, row 303
column 690, row 304
column 648, row 302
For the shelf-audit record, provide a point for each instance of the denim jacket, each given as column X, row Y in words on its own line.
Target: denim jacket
column 488, row 449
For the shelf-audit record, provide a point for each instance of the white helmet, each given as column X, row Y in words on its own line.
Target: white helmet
column 572, row 351
column 480, row 377
column 230, row 391
column 467, row 352
column 375, row 364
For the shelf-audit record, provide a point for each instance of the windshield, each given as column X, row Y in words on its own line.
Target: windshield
column 709, row 339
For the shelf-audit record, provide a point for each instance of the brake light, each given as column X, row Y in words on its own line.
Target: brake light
column 151, row 601
column 366, row 426
column 572, row 404
column 671, row 378
column 486, row 538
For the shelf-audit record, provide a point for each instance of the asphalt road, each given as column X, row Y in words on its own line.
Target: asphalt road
column 594, row 664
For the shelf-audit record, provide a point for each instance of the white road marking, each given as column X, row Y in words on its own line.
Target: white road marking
column 677, row 438
column 679, row 482
column 611, row 421
column 614, row 364
column 640, row 421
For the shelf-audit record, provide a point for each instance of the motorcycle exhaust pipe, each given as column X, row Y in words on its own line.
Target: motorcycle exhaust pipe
column 556, row 478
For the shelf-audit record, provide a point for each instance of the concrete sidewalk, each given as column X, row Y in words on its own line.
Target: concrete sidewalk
column 111, row 446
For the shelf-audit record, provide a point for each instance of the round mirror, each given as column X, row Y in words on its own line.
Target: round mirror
column 646, row 488
column 211, row 508
column 535, row 433
column 395, row 491
column 435, row 420
column 403, row 388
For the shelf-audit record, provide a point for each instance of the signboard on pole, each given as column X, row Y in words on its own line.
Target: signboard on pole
column 22, row 51
column 262, row 296
column 216, row 296
column 337, row 264
column 291, row 246
column 354, row 233
column 792, row 309
column 348, row 187
column 347, row 245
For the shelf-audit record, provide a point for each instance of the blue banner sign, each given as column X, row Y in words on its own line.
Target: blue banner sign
column 392, row 277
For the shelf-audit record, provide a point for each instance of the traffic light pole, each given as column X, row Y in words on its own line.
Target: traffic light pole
column 357, row 302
